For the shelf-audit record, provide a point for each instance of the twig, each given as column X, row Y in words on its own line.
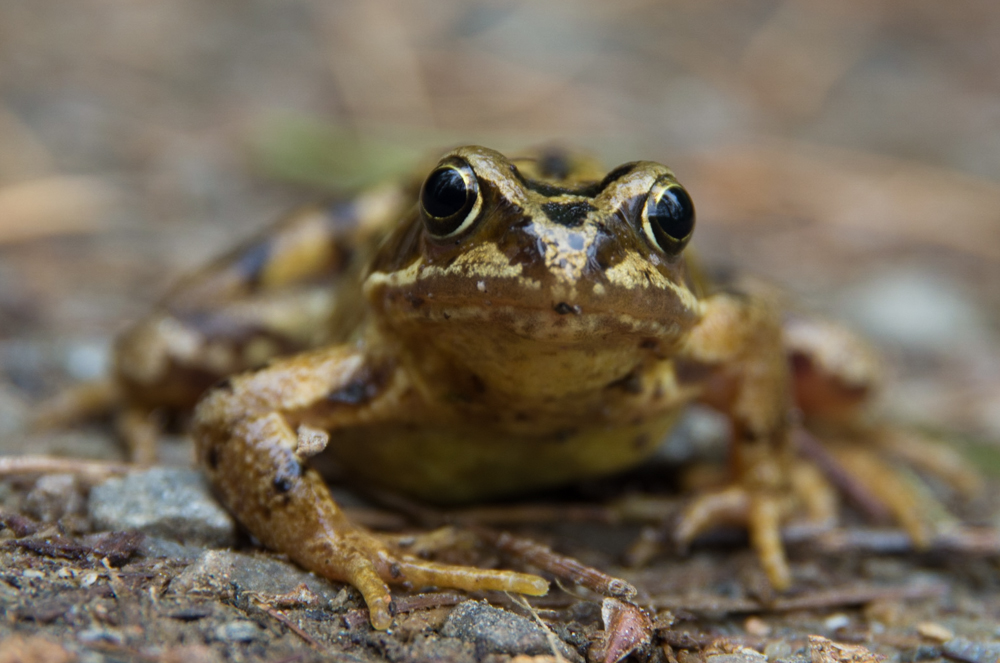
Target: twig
column 560, row 565
column 977, row 541
column 294, row 628
column 833, row 598
column 549, row 635
column 92, row 471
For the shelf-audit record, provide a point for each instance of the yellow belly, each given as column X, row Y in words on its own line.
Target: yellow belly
column 466, row 463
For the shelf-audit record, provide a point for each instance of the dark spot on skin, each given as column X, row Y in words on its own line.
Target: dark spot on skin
column 363, row 386
column 283, row 484
column 641, row 441
column 750, row 436
column 587, row 190
column 343, row 255
column 225, row 384
column 212, row 458
column 446, row 315
column 395, row 571
column 801, row 363
column 648, row 344
column 630, row 384
column 415, row 301
column 570, row 215
column 616, row 174
column 351, row 393
column 564, row 435
column 554, row 164
column 287, row 475
column 692, row 372
column 562, row 308
column 251, row 264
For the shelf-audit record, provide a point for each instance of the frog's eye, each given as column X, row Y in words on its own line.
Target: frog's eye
column 450, row 199
column 668, row 216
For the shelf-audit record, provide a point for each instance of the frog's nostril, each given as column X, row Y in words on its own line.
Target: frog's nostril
column 562, row 308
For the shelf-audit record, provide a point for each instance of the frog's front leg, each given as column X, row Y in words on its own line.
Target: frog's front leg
column 738, row 344
column 254, row 434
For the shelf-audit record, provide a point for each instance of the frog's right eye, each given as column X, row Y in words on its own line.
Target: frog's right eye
column 449, row 198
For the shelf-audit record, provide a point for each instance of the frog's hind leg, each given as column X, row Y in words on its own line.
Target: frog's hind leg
column 282, row 291
column 835, row 375
column 82, row 401
column 254, row 434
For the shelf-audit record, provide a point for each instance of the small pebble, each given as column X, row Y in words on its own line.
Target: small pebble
column 934, row 631
column 777, row 649
column 239, row 630
column 756, row 626
column 837, row 621
column 743, row 655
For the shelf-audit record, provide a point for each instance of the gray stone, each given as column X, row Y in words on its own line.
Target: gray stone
column 239, row 630
column 971, row 651
column 496, row 631
column 744, row 655
column 164, row 502
column 155, row 547
column 219, row 571
column 54, row 496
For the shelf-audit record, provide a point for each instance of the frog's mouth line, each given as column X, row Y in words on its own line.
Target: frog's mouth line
column 552, row 323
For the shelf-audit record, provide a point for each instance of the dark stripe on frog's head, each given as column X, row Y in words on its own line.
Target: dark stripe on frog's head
column 571, row 215
column 253, row 260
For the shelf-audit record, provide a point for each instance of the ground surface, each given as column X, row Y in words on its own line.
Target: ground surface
column 847, row 153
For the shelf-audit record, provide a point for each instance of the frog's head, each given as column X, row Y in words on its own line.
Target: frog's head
column 545, row 252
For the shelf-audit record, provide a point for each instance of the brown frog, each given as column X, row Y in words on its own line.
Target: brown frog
column 528, row 324
column 508, row 325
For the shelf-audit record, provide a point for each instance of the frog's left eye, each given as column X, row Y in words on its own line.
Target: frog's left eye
column 450, row 199
column 668, row 216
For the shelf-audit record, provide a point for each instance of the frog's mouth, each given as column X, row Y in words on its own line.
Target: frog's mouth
column 552, row 312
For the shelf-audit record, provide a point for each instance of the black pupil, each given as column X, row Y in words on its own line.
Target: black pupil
column 445, row 193
column 674, row 213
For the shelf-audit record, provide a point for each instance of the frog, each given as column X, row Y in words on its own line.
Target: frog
column 528, row 323
column 493, row 327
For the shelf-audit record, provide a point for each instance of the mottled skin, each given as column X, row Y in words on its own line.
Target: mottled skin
column 552, row 339
column 552, row 336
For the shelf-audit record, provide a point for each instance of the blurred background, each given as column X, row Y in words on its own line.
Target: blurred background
column 848, row 152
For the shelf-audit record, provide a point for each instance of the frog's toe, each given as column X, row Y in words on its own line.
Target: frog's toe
column 361, row 572
column 760, row 511
column 908, row 501
column 371, row 567
column 724, row 507
column 422, row 573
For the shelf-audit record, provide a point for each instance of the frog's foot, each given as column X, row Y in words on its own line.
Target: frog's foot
column 369, row 564
column 75, row 404
column 906, row 498
column 934, row 459
column 762, row 512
